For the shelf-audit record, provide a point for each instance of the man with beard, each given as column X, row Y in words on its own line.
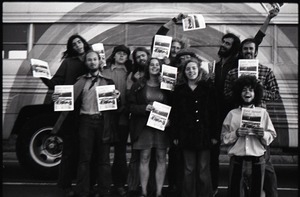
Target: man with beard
column 140, row 57
column 228, row 53
column 249, row 50
column 95, row 129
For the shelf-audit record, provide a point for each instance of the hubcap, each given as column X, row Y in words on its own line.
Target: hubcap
column 46, row 148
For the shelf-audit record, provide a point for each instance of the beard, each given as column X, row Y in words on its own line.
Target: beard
column 92, row 70
column 224, row 52
column 248, row 56
column 142, row 65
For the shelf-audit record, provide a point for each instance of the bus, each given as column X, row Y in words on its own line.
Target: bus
column 40, row 30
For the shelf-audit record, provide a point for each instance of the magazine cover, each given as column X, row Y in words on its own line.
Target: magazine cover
column 162, row 46
column 99, row 48
column 105, row 98
column 209, row 67
column 168, row 77
column 65, row 101
column 271, row 6
column 193, row 22
column 248, row 67
column 158, row 118
column 251, row 118
column 40, row 68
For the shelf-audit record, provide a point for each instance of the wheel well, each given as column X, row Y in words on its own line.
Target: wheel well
column 28, row 112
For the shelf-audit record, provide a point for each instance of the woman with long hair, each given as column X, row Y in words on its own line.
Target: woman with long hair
column 141, row 97
column 193, row 120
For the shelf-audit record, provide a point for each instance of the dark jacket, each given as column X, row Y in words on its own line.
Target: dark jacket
column 109, row 117
column 67, row 73
column 137, row 107
column 194, row 116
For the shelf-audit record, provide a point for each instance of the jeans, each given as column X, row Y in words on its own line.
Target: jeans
column 175, row 168
column 119, row 167
column 270, row 181
column 214, row 165
column 90, row 138
column 69, row 159
column 244, row 180
column 196, row 180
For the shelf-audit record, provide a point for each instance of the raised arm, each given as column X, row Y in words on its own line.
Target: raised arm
column 163, row 30
column 262, row 31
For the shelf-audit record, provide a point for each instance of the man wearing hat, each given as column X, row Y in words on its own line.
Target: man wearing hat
column 118, row 67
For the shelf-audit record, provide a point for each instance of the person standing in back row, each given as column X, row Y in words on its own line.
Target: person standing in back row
column 118, row 67
column 267, row 79
column 228, row 53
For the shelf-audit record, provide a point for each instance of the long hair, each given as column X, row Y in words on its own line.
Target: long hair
column 147, row 73
column 135, row 66
column 235, row 44
column 134, row 55
column 202, row 74
column 70, row 52
column 247, row 81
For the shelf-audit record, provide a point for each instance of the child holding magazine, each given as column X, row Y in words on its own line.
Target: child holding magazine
column 247, row 143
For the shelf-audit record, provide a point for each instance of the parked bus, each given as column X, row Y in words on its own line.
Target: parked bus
column 41, row 30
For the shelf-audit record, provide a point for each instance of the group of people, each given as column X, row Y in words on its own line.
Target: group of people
column 205, row 113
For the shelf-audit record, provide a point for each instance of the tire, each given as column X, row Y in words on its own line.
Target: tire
column 39, row 151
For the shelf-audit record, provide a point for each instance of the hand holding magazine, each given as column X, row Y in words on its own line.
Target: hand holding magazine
column 65, row 100
column 99, row 48
column 209, row 67
column 106, row 97
column 168, row 77
column 161, row 47
column 40, row 68
column 269, row 7
column 251, row 119
column 248, row 67
column 193, row 22
column 158, row 117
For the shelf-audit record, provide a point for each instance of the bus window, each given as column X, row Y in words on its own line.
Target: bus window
column 15, row 40
column 39, row 30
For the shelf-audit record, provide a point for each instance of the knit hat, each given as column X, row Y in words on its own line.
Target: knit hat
column 121, row 48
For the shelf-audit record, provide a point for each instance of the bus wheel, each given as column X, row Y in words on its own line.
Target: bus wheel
column 37, row 149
